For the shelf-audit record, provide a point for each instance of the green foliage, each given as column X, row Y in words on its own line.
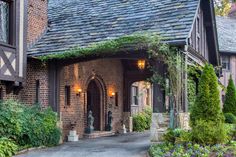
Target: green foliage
column 230, row 118
column 209, row 132
column 109, row 47
column 207, row 106
column 177, row 136
column 142, row 121
column 191, row 150
column 148, row 115
column 28, row 125
column 10, row 121
column 230, row 98
column 206, row 118
column 7, row 147
column 231, row 130
column 222, row 7
column 192, row 88
column 194, row 73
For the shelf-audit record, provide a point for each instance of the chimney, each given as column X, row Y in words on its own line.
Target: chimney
column 232, row 12
column 37, row 19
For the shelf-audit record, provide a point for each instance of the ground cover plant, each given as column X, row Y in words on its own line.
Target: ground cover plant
column 27, row 126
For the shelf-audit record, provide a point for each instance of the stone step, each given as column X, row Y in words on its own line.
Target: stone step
column 97, row 134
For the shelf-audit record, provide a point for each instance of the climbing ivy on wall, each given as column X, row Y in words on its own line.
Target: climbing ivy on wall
column 194, row 73
column 157, row 50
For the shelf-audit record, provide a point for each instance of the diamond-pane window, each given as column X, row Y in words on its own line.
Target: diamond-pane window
column 4, row 21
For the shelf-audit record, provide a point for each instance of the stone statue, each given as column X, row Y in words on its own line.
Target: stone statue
column 109, row 122
column 90, row 127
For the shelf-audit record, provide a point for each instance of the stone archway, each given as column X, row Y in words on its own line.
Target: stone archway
column 96, row 100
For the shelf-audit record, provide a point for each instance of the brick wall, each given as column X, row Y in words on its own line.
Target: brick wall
column 10, row 95
column 36, row 71
column 37, row 19
column 109, row 73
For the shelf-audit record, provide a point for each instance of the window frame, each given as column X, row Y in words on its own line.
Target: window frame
column 67, row 95
column 134, row 96
column 227, row 58
column 37, row 91
column 12, row 25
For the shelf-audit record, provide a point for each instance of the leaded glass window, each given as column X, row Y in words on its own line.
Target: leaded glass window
column 4, row 21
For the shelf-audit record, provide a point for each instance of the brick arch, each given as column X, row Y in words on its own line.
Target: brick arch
column 103, row 98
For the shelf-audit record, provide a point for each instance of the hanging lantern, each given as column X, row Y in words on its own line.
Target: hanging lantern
column 141, row 64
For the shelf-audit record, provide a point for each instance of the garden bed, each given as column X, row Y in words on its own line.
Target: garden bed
column 192, row 150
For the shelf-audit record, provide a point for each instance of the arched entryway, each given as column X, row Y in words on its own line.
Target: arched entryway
column 95, row 103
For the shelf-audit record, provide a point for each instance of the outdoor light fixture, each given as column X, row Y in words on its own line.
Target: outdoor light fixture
column 112, row 94
column 141, row 64
column 78, row 91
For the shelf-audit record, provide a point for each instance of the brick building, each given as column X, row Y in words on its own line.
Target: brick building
column 75, row 86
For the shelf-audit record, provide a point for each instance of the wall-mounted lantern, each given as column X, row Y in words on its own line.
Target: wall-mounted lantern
column 78, row 91
column 112, row 94
column 141, row 64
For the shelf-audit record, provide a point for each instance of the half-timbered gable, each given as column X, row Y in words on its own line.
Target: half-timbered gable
column 13, row 24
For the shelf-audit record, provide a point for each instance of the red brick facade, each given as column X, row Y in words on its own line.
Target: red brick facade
column 37, row 19
column 36, row 71
column 109, row 73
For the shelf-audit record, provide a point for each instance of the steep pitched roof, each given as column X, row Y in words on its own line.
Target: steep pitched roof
column 226, row 28
column 82, row 22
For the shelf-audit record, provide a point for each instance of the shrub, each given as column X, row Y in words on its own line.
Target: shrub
column 139, row 122
column 230, row 118
column 28, row 125
column 142, row 121
column 7, row 147
column 148, row 114
column 206, row 117
column 177, row 136
column 230, row 98
column 209, row 132
column 10, row 119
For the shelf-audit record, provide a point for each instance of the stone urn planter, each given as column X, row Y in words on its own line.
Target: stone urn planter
column 73, row 137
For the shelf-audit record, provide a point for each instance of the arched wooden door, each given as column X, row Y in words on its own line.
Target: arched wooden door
column 94, row 103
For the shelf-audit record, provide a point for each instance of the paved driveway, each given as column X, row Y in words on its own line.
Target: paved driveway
column 129, row 145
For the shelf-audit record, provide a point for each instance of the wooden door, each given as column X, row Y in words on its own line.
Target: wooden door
column 94, row 103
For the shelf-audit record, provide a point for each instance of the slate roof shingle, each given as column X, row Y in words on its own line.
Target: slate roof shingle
column 226, row 28
column 82, row 22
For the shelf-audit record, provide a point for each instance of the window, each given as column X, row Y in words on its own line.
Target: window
column 4, row 21
column 37, row 93
column 148, row 96
column 198, row 44
column 225, row 61
column 67, row 95
column 134, row 92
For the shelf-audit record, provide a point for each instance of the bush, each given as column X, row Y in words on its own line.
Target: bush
column 177, row 136
column 28, row 125
column 206, row 117
column 230, row 98
column 142, row 121
column 148, row 114
column 230, row 118
column 139, row 122
column 209, row 132
column 7, row 147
